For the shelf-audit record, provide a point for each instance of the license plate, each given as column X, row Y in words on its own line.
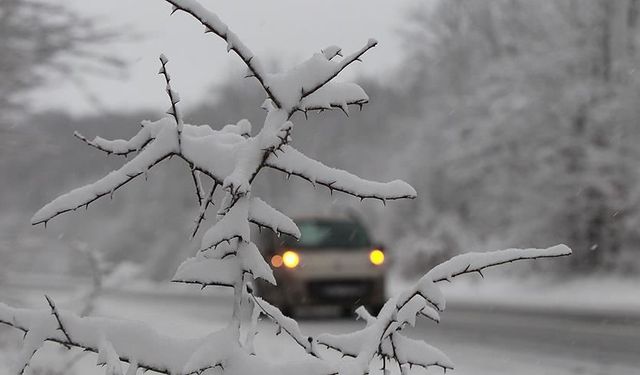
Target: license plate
column 342, row 290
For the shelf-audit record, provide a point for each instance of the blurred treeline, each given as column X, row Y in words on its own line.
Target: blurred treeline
column 516, row 121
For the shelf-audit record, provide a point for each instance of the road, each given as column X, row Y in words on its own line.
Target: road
column 485, row 340
column 553, row 343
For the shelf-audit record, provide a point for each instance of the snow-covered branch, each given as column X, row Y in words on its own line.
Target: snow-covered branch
column 293, row 90
column 213, row 24
column 333, row 95
column 120, row 146
column 382, row 334
column 322, row 80
column 287, row 325
column 129, row 339
column 265, row 216
column 476, row 262
column 308, row 85
column 292, row 162
column 163, row 146
column 139, row 345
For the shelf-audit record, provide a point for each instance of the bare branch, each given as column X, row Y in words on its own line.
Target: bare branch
column 54, row 312
column 204, row 207
column 197, row 183
column 202, row 284
column 174, row 98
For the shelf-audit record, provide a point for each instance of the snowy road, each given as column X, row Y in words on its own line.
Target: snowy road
column 494, row 341
column 479, row 340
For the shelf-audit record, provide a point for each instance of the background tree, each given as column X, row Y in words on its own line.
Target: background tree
column 39, row 39
column 527, row 113
column 42, row 42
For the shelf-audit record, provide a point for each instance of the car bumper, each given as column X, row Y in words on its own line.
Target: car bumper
column 292, row 292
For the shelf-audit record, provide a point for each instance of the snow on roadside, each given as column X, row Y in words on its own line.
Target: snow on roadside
column 608, row 295
column 597, row 295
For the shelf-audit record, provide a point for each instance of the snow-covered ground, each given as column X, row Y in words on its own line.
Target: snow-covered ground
column 488, row 328
column 600, row 296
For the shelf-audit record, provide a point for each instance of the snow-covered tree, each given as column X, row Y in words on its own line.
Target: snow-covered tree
column 528, row 128
column 226, row 162
column 38, row 40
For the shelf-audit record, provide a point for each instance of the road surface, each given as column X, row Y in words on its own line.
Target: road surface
column 480, row 341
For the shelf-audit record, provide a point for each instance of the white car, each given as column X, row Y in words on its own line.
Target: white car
column 333, row 263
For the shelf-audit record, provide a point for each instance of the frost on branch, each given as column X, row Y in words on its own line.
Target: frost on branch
column 231, row 158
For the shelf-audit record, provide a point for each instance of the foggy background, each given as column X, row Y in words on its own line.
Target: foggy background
column 516, row 122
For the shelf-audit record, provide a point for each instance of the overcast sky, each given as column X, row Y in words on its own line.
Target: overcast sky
column 284, row 31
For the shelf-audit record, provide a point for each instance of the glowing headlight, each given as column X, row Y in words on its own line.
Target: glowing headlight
column 290, row 259
column 376, row 257
column 276, row 261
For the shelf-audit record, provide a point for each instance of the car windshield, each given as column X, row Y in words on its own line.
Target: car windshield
column 330, row 234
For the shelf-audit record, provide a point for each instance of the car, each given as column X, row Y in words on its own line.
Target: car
column 333, row 263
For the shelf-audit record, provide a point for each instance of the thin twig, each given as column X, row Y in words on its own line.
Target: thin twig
column 54, row 312
column 203, row 208
column 174, row 98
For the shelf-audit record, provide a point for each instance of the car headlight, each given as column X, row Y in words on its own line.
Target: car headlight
column 376, row 257
column 290, row 259
column 276, row 261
